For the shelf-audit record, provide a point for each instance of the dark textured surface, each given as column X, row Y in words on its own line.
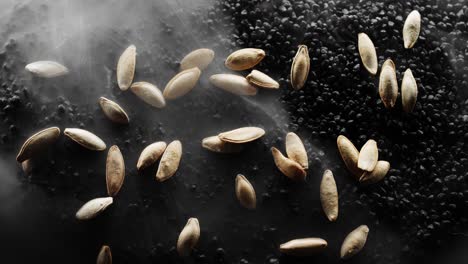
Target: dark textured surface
column 418, row 213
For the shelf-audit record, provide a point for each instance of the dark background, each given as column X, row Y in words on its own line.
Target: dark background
column 418, row 213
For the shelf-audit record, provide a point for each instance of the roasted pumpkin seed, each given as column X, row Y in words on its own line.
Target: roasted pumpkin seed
column 85, row 138
column 182, row 83
column 329, row 196
column 126, row 68
column 233, row 83
column 151, row 154
column 149, row 93
column 388, row 85
column 242, row 135
column 199, row 58
column 288, row 167
column 367, row 52
column 354, row 242
column 245, row 192
column 104, row 256
column 93, row 208
column 409, row 91
column 368, row 156
column 300, row 67
column 244, row 59
column 350, row 155
column 215, row 144
column 188, row 238
column 295, row 150
column 411, row 29
column 377, row 174
column 47, row 69
column 304, row 246
column 113, row 111
column 115, row 171
column 169, row 161
column 260, row 79
column 37, row 143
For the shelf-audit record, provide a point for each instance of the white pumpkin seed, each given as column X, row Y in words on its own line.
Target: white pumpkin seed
column 295, row 150
column 233, row 83
column 149, row 93
column 113, row 111
column 411, row 29
column 104, row 256
column 242, row 135
column 377, row 174
column 367, row 52
column 199, row 58
column 37, row 143
column 169, row 161
column 260, row 79
column 182, row 83
column 215, row 144
column 354, row 242
column 244, row 59
column 409, row 91
column 368, row 156
column 151, row 154
column 126, row 68
column 288, row 167
column 47, row 69
column 188, row 238
column 93, row 208
column 245, row 192
column 85, row 138
column 350, row 155
column 329, row 195
column 388, row 85
column 115, row 171
column 300, row 67
column 304, row 246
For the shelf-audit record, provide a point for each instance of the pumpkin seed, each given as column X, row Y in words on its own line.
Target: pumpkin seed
column 377, row 174
column 367, row 52
column 149, row 93
column 300, row 67
column 242, row 135
column 169, row 161
column 295, row 150
column 37, row 143
column 47, row 69
column 115, row 171
column 233, row 83
column 104, row 256
column 388, row 86
column 215, row 144
column 126, row 68
column 245, row 192
column 368, row 156
column 288, row 167
column 411, row 29
column 151, row 154
column 354, row 242
column 182, row 83
column 409, row 91
column 304, row 246
column 199, row 58
column 329, row 195
column 188, row 238
column 244, row 59
column 350, row 155
column 113, row 111
column 93, row 208
column 85, row 138
column 260, row 79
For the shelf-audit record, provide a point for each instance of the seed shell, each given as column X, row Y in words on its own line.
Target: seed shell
column 295, row 150
column 354, row 242
column 242, row 135
column 260, row 79
column 215, row 144
column 27, row 167
column 188, row 238
column 244, row 59
column 115, row 171
column 245, row 192
column 182, row 83
column 47, row 69
column 329, row 195
column 377, row 174
column 300, row 67
column 113, row 111
column 93, row 208
column 368, row 156
column 149, row 93
column 411, row 29
column 409, row 91
column 126, row 68
column 85, row 138
column 104, row 256
column 368, row 54
column 288, row 167
column 199, row 58
column 388, row 85
column 37, row 143
column 169, row 161
column 233, row 83
column 350, row 155
column 304, row 246
column 151, row 154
